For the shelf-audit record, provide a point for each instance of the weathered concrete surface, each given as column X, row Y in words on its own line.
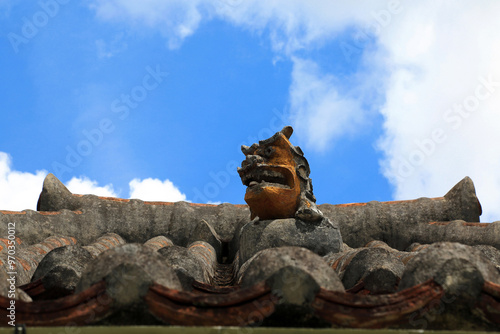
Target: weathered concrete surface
column 186, row 264
column 9, row 290
column 446, row 262
column 378, row 268
column 267, row 262
column 294, row 290
column 182, row 222
column 455, row 231
column 461, row 270
column 158, row 242
column 130, row 265
column 207, row 256
column 321, row 237
column 401, row 223
column 398, row 223
column 128, row 270
column 103, row 243
column 492, row 253
column 15, row 243
column 62, row 268
column 27, row 259
column 33, row 227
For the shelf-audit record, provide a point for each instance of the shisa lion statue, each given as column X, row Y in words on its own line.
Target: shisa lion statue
column 276, row 174
column 281, row 200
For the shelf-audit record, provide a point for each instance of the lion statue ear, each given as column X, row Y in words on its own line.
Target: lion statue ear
column 287, row 131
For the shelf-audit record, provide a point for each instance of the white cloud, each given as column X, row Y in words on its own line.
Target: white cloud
column 108, row 49
column 296, row 24
column 19, row 190
column 175, row 19
column 292, row 24
column 155, row 190
column 319, row 112
column 6, row 8
column 437, row 52
column 84, row 185
column 148, row 189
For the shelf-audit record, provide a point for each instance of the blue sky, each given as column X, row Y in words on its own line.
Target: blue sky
column 153, row 99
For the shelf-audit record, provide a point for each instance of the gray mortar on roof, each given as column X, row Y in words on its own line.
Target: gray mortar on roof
column 399, row 224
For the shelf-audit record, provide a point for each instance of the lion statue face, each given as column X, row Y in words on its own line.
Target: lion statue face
column 277, row 178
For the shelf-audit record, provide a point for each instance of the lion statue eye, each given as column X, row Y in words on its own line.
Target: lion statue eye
column 269, row 151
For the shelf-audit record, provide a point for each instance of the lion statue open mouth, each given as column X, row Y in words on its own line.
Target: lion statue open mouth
column 276, row 174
